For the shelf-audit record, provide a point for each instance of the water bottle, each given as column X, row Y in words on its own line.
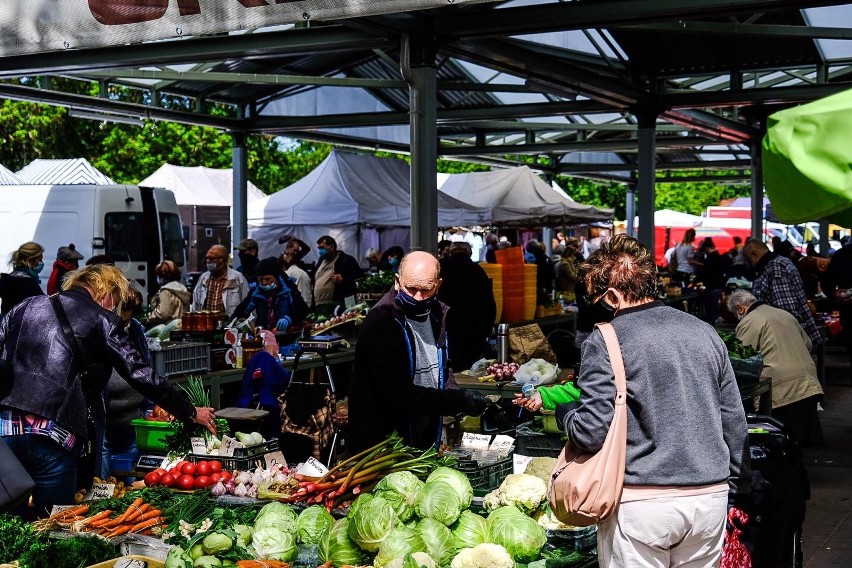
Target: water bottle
column 503, row 343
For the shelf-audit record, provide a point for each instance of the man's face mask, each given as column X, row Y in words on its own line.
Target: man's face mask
column 413, row 307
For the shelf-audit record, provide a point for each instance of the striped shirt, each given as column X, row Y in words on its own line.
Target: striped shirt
column 15, row 423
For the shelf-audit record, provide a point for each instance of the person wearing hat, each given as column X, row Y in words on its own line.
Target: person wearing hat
column 247, row 253
column 274, row 298
column 67, row 259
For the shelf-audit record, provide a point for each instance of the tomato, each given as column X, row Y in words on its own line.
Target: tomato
column 179, row 464
column 174, row 471
column 186, row 482
column 188, row 468
column 203, row 468
column 215, row 466
column 161, row 471
column 226, row 475
column 216, row 477
column 202, row 481
column 168, row 480
column 152, row 479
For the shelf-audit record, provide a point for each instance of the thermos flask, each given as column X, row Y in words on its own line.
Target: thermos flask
column 503, row 343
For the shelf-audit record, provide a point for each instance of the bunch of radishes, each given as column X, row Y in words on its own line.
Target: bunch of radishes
column 245, row 483
column 503, row 371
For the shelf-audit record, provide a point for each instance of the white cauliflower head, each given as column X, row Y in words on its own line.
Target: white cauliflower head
column 541, row 467
column 526, row 492
column 486, row 555
column 422, row 559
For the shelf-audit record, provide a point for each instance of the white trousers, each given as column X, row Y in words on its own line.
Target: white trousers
column 686, row 532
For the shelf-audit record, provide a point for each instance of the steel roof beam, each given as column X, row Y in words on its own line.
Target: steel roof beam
column 718, row 99
column 735, row 28
column 574, row 147
column 627, row 167
column 709, row 124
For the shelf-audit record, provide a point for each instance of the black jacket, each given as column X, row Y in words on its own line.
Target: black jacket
column 14, row 288
column 382, row 396
column 45, row 372
column 348, row 267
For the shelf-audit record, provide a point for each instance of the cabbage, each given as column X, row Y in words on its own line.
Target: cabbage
column 274, row 544
column 440, row 501
column 413, row 560
column 457, row 480
column 469, row 530
column 371, row 519
column 401, row 489
column 244, row 534
column 276, row 515
column 311, row 523
column 336, row 546
column 520, row 535
column 438, row 540
column 401, row 541
column 215, row 542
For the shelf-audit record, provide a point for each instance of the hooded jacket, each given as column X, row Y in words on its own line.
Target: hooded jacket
column 46, row 375
column 170, row 303
column 57, row 275
column 288, row 302
column 382, row 395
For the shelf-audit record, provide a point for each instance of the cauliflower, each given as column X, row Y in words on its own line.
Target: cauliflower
column 484, row 555
column 526, row 492
column 547, row 520
column 541, row 468
column 422, row 560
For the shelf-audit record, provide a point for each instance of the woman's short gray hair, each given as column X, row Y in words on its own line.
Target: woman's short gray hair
column 740, row 298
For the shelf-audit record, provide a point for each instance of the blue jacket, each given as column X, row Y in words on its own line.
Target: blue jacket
column 269, row 383
column 287, row 302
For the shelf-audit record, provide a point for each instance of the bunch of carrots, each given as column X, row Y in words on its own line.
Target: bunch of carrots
column 362, row 472
column 139, row 518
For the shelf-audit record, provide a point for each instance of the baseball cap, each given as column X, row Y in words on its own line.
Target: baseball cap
column 247, row 244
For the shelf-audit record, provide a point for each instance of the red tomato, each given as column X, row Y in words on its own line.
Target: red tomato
column 168, row 480
column 203, row 468
column 188, row 468
column 186, row 482
column 152, row 479
column 174, row 471
column 216, row 477
column 161, row 471
column 215, row 466
column 180, row 463
column 202, row 481
column 226, row 475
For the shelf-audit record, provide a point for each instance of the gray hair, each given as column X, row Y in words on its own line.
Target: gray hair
column 740, row 298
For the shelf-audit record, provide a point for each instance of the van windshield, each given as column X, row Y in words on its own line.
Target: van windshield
column 124, row 239
column 172, row 233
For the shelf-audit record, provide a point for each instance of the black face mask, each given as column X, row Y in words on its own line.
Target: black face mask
column 415, row 308
column 606, row 309
column 247, row 259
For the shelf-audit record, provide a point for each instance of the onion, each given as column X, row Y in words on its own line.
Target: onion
column 252, row 492
column 244, row 477
column 219, row 489
column 240, row 490
column 257, row 478
column 230, row 486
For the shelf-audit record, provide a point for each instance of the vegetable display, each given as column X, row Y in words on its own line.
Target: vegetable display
column 400, row 489
column 736, row 348
column 371, row 520
column 336, row 546
column 520, row 535
column 400, row 542
column 178, row 443
column 438, row 500
column 312, row 523
column 469, row 531
column 438, row 540
column 455, row 479
column 526, row 492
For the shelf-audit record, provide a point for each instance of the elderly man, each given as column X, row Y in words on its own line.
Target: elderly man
column 780, row 285
column 466, row 289
column 401, row 380
column 334, row 279
column 221, row 288
column 787, row 361
column 289, row 264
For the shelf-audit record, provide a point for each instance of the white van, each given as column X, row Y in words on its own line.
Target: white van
column 137, row 226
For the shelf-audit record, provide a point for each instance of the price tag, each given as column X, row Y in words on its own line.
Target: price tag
column 274, row 458
column 130, row 563
column 475, row 441
column 312, row 467
column 229, row 445
column 100, row 491
column 57, row 508
column 519, row 463
column 199, row 446
column 502, row 444
column 349, row 301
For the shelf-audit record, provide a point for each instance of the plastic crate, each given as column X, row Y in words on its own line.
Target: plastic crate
column 243, row 458
column 181, row 358
column 543, row 446
column 150, row 434
column 485, row 478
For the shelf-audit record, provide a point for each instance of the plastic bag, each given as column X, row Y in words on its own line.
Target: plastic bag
column 536, row 372
column 734, row 552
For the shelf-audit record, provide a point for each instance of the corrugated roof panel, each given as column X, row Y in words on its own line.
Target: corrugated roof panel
column 77, row 171
column 8, row 177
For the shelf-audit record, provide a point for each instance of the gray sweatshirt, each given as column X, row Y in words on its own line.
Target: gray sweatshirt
column 685, row 420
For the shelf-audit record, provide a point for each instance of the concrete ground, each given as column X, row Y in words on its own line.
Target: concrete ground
column 827, row 532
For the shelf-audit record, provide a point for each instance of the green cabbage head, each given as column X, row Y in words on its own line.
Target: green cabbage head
column 401, row 541
column 470, row 530
column 440, row 501
column 371, row 519
column 438, row 540
column 519, row 534
column 274, row 544
column 311, row 523
column 400, row 488
column 277, row 515
column 457, row 480
column 336, row 546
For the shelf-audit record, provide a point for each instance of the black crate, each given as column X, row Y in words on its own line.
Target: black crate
column 544, row 446
column 485, row 478
column 243, row 458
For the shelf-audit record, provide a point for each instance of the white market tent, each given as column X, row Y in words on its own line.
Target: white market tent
column 672, row 218
column 72, row 171
column 518, row 197
column 199, row 185
column 361, row 201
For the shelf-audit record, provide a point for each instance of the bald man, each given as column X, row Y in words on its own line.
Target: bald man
column 221, row 288
column 401, row 380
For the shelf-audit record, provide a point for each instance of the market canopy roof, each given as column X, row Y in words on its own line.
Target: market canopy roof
column 8, row 177
column 807, row 161
column 520, row 198
column 74, row 171
column 199, row 185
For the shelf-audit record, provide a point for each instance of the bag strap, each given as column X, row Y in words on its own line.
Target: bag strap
column 615, row 359
column 66, row 329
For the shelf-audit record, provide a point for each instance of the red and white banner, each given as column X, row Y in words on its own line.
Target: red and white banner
column 29, row 26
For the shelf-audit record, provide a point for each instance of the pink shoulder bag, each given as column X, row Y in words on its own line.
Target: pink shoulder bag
column 586, row 488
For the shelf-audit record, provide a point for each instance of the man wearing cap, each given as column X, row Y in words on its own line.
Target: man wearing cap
column 247, row 253
column 67, row 259
column 221, row 288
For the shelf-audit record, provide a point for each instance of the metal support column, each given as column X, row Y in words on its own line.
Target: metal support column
column 756, row 189
column 824, row 243
column 418, row 68
column 239, row 209
column 646, row 182
column 630, row 210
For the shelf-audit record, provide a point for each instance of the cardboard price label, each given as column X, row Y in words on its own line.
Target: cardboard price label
column 229, row 445
column 520, row 463
column 274, row 458
column 475, row 441
column 312, row 467
column 100, row 491
column 502, row 444
column 58, row 508
column 199, row 446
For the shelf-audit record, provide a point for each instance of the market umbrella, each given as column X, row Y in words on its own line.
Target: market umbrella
column 807, row 161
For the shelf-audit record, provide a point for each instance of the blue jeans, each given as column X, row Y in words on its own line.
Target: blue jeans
column 119, row 444
column 52, row 467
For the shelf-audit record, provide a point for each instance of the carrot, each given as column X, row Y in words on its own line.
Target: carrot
column 146, row 524
column 102, row 515
column 149, row 514
column 72, row 512
column 263, row 564
column 119, row 531
column 137, row 513
column 135, row 505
